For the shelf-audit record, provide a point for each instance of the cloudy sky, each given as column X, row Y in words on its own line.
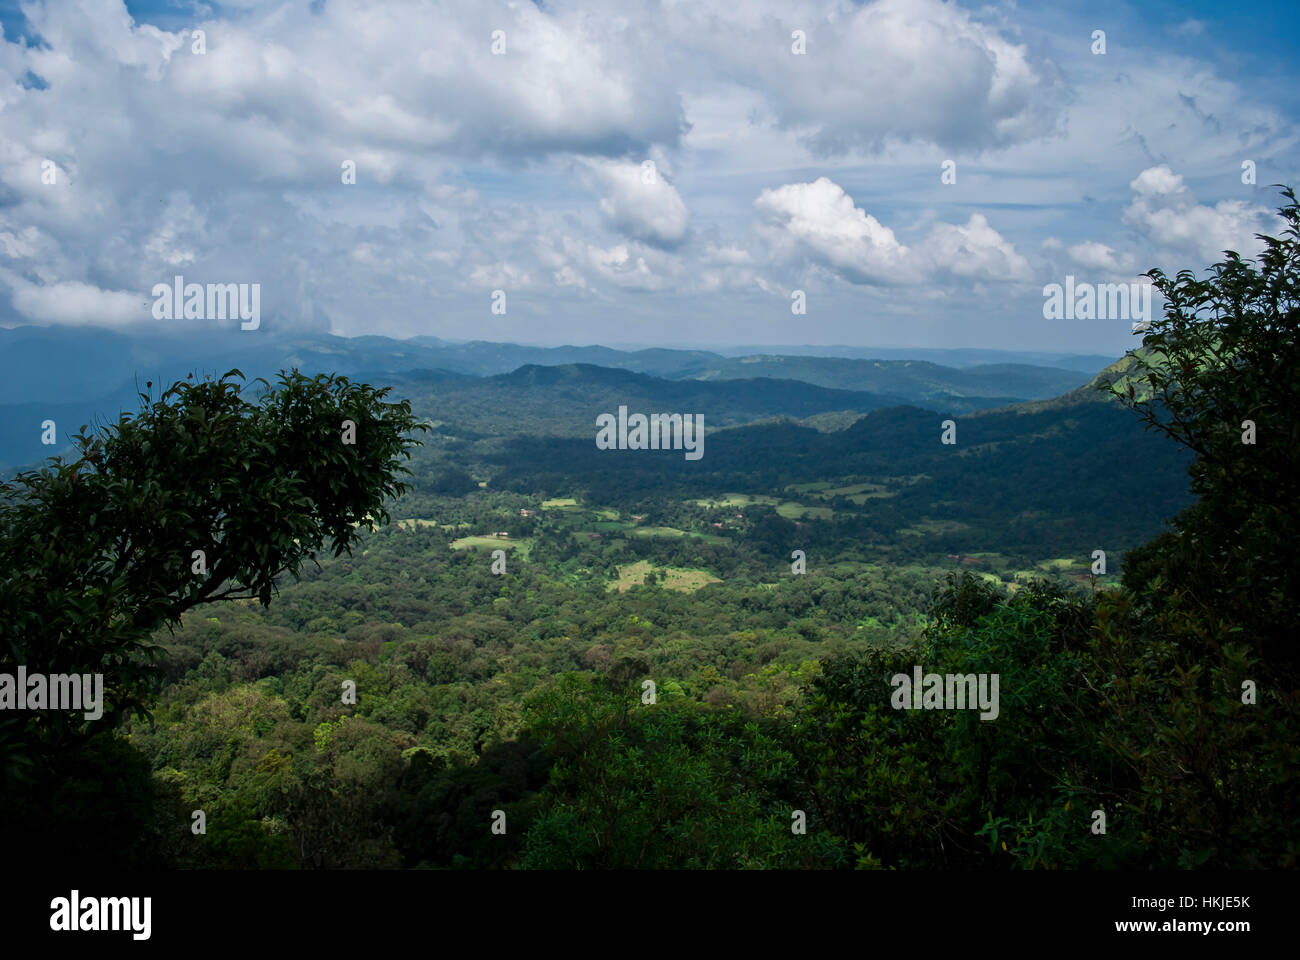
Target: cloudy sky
column 635, row 172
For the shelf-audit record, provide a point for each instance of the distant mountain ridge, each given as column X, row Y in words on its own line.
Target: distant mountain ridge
column 74, row 375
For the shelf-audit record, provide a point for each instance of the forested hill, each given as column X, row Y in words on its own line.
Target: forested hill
column 1024, row 476
column 619, row 565
column 73, row 377
column 637, row 563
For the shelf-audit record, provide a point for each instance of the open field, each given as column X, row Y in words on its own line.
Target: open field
column 414, row 522
column 815, row 487
column 670, row 578
column 797, row 511
column 859, row 493
column 738, row 500
column 930, row 526
column 674, row 532
column 523, row 545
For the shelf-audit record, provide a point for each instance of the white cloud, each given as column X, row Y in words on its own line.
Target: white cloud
column 821, row 221
column 906, row 70
column 226, row 166
column 74, row 302
column 1100, row 257
column 1164, row 210
column 638, row 202
column 23, row 244
column 504, row 276
column 974, row 250
column 625, row 265
column 1157, row 182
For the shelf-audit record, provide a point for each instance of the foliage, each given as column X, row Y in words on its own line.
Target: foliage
column 202, row 496
column 522, row 693
column 1226, row 352
column 654, row 786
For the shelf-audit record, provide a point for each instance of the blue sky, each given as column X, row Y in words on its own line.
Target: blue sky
column 636, row 172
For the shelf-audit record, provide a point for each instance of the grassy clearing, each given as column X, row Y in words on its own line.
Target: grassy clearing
column 670, row 578
column 674, row 532
column 523, row 545
column 412, row 523
column 658, row 532
column 866, row 491
column 738, row 500
column 1061, row 565
column 559, row 502
column 815, row 487
column 797, row 511
column 789, row 509
column 607, row 527
column 926, row 527
column 861, row 498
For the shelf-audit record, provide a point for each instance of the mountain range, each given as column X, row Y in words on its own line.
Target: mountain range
column 79, row 375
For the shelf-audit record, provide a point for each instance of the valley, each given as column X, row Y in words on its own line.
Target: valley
column 614, row 560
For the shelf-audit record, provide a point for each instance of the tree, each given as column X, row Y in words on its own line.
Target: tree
column 202, row 496
column 665, row 786
column 1218, row 373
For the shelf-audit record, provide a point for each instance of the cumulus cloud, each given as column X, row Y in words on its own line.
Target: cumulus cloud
column 225, row 166
column 821, row 221
column 1100, row 257
column 895, row 69
column 504, row 276
column 1164, row 210
column 627, row 266
column 74, row 302
column 637, row 201
column 974, row 250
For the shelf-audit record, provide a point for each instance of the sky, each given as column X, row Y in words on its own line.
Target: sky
column 911, row 173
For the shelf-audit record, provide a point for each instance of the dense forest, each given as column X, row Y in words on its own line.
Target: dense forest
column 515, row 650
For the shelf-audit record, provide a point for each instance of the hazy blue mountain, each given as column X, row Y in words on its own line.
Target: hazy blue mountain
column 918, row 380
column 958, row 357
column 74, row 374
